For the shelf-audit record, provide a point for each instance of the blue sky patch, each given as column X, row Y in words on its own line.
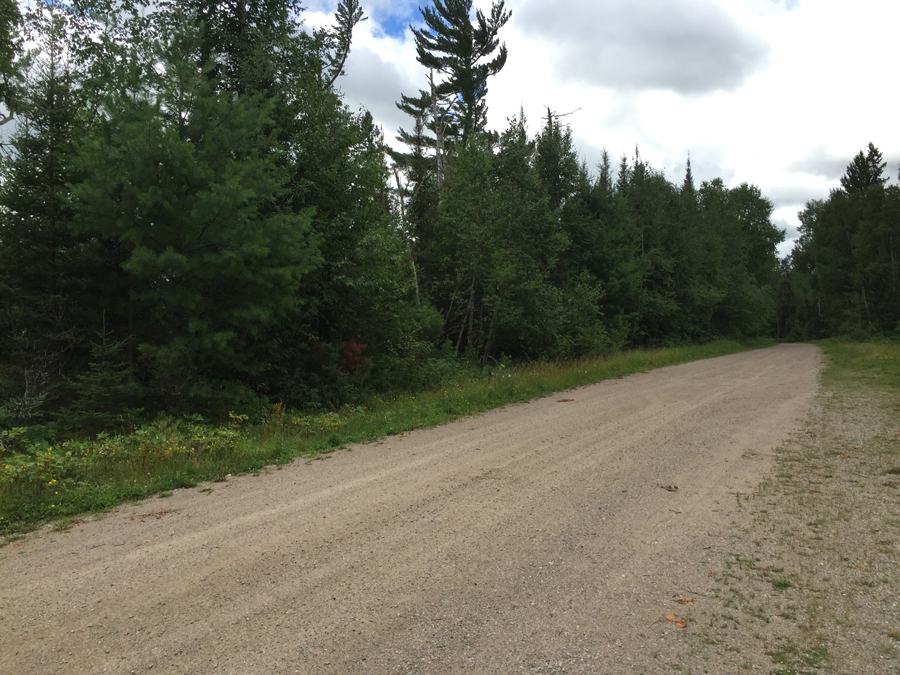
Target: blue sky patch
column 395, row 25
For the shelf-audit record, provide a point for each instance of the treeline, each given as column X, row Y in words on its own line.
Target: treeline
column 843, row 276
column 192, row 221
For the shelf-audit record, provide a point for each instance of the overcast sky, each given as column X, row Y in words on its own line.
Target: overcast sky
column 778, row 93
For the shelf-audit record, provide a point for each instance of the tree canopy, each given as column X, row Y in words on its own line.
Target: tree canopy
column 193, row 222
column 843, row 277
column 460, row 49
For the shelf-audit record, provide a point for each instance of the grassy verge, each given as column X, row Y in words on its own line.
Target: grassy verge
column 77, row 477
column 810, row 580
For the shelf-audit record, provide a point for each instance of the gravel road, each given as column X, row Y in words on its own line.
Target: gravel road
column 547, row 537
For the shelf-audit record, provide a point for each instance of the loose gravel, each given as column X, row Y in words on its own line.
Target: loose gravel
column 547, row 537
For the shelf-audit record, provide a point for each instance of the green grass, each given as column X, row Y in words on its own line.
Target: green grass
column 78, row 477
column 863, row 363
column 793, row 656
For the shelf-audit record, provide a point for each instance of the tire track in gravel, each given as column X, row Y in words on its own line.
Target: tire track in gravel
column 535, row 538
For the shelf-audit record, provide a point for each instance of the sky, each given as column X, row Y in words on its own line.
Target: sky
column 777, row 93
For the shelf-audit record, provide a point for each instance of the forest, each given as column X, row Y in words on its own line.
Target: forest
column 192, row 222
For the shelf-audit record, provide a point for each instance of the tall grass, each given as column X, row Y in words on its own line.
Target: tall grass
column 863, row 363
column 78, row 477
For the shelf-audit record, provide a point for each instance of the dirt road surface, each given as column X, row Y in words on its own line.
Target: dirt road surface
column 546, row 537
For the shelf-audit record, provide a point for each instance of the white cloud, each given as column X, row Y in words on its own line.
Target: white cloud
column 687, row 46
column 369, row 77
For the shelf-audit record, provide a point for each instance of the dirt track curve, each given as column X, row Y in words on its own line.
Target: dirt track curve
column 544, row 537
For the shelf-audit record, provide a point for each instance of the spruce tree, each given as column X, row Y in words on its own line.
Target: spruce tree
column 556, row 161
column 47, row 273
column 864, row 171
column 605, row 172
column 624, row 175
column 104, row 396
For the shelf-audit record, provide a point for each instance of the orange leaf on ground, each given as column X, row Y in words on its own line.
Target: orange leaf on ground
column 565, row 400
column 684, row 601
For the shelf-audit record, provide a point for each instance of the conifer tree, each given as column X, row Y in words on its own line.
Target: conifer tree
column 183, row 176
column 556, row 161
column 624, row 175
column 845, row 273
column 458, row 49
column 46, row 272
column 10, row 50
column 864, row 171
column 605, row 172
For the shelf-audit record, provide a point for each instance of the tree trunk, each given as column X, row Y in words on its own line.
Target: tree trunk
column 469, row 311
column 405, row 229
column 893, row 263
column 438, row 118
column 489, row 343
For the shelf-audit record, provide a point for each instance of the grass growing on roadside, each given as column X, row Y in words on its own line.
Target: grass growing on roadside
column 77, row 477
column 865, row 364
column 811, row 572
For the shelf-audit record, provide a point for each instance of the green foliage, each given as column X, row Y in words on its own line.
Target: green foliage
column 10, row 51
column 452, row 45
column 453, row 110
column 105, row 396
column 47, row 273
column 748, row 266
column 705, row 261
column 844, row 273
column 187, row 181
column 864, row 171
column 11, row 439
column 499, row 248
column 187, row 184
column 75, row 476
column 78, row 476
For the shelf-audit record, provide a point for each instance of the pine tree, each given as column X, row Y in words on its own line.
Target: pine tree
column 185, row 178
column 455, row 47
column 10, row 50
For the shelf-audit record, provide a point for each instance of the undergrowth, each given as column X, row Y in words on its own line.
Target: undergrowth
column 80, row 476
